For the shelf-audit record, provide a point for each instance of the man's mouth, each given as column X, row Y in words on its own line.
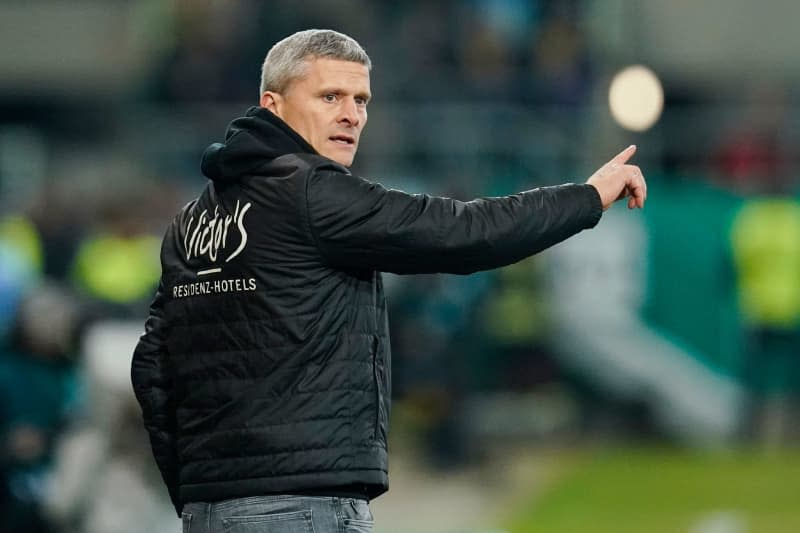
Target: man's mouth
column 343, row 139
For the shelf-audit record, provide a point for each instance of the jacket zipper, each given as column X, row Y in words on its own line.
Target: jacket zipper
column 375, row 343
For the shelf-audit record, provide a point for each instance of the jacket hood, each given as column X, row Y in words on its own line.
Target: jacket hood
column 251, row 142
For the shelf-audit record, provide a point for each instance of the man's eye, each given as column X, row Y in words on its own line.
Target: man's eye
column 361, row 101
column 330, row 97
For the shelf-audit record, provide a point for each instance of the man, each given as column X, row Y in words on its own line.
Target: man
column 264, row 370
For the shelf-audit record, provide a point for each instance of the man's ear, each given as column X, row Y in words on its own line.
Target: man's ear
column 271, row 101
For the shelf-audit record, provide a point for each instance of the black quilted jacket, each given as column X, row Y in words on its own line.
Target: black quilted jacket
column 265, row 362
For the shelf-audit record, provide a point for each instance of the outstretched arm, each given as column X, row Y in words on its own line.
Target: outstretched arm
column 361, row 225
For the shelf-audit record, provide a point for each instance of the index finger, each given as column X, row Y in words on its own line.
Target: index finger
column 639, row 191
column 623, row 156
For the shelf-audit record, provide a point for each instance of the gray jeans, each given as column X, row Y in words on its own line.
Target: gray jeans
column 279, row 514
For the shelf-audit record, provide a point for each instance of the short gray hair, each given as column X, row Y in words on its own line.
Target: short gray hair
column 286, row 61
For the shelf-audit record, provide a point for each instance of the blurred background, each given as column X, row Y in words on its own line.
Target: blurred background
column 643, row 376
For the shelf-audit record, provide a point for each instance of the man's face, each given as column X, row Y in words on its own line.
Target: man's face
column 327, row 106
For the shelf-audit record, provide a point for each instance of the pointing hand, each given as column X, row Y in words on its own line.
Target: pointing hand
column 616, row 180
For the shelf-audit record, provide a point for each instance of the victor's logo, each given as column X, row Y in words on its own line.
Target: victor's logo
column 209, row 235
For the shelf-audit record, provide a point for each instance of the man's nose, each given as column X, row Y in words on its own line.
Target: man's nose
column 348, row 112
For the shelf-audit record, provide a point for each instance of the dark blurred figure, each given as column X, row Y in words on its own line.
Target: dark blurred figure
column 431, row 319
column 59, row 224
column 37, row 389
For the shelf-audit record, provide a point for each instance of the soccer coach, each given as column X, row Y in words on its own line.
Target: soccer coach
column 264, row 370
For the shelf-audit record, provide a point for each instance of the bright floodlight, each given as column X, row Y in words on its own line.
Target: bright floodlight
column 636, row 98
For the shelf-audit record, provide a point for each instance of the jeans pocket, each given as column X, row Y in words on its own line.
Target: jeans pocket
column 351, row 525
column 358, row 518
column 186, row 521
column 296, row 522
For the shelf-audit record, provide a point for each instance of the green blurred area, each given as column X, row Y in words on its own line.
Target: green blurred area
column 723, row 278
column 657, row 490
column 691, row 282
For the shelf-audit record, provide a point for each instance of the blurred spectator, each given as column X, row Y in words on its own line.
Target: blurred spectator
column 766, row 247
column 104, row 479
column 19, row 233
column 117, row 266
column 516, row 320
column 20, row 264
column 59, row 222
column 38, row 388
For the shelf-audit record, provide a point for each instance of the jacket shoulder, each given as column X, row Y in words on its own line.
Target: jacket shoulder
column 315, row 163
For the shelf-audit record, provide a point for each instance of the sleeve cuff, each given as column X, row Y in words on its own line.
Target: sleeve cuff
column 595, row 205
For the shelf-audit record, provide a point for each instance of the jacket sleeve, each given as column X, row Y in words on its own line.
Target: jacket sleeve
column 359, row 224
column 152, row 384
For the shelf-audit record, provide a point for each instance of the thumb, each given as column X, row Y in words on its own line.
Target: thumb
column 622, row 157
